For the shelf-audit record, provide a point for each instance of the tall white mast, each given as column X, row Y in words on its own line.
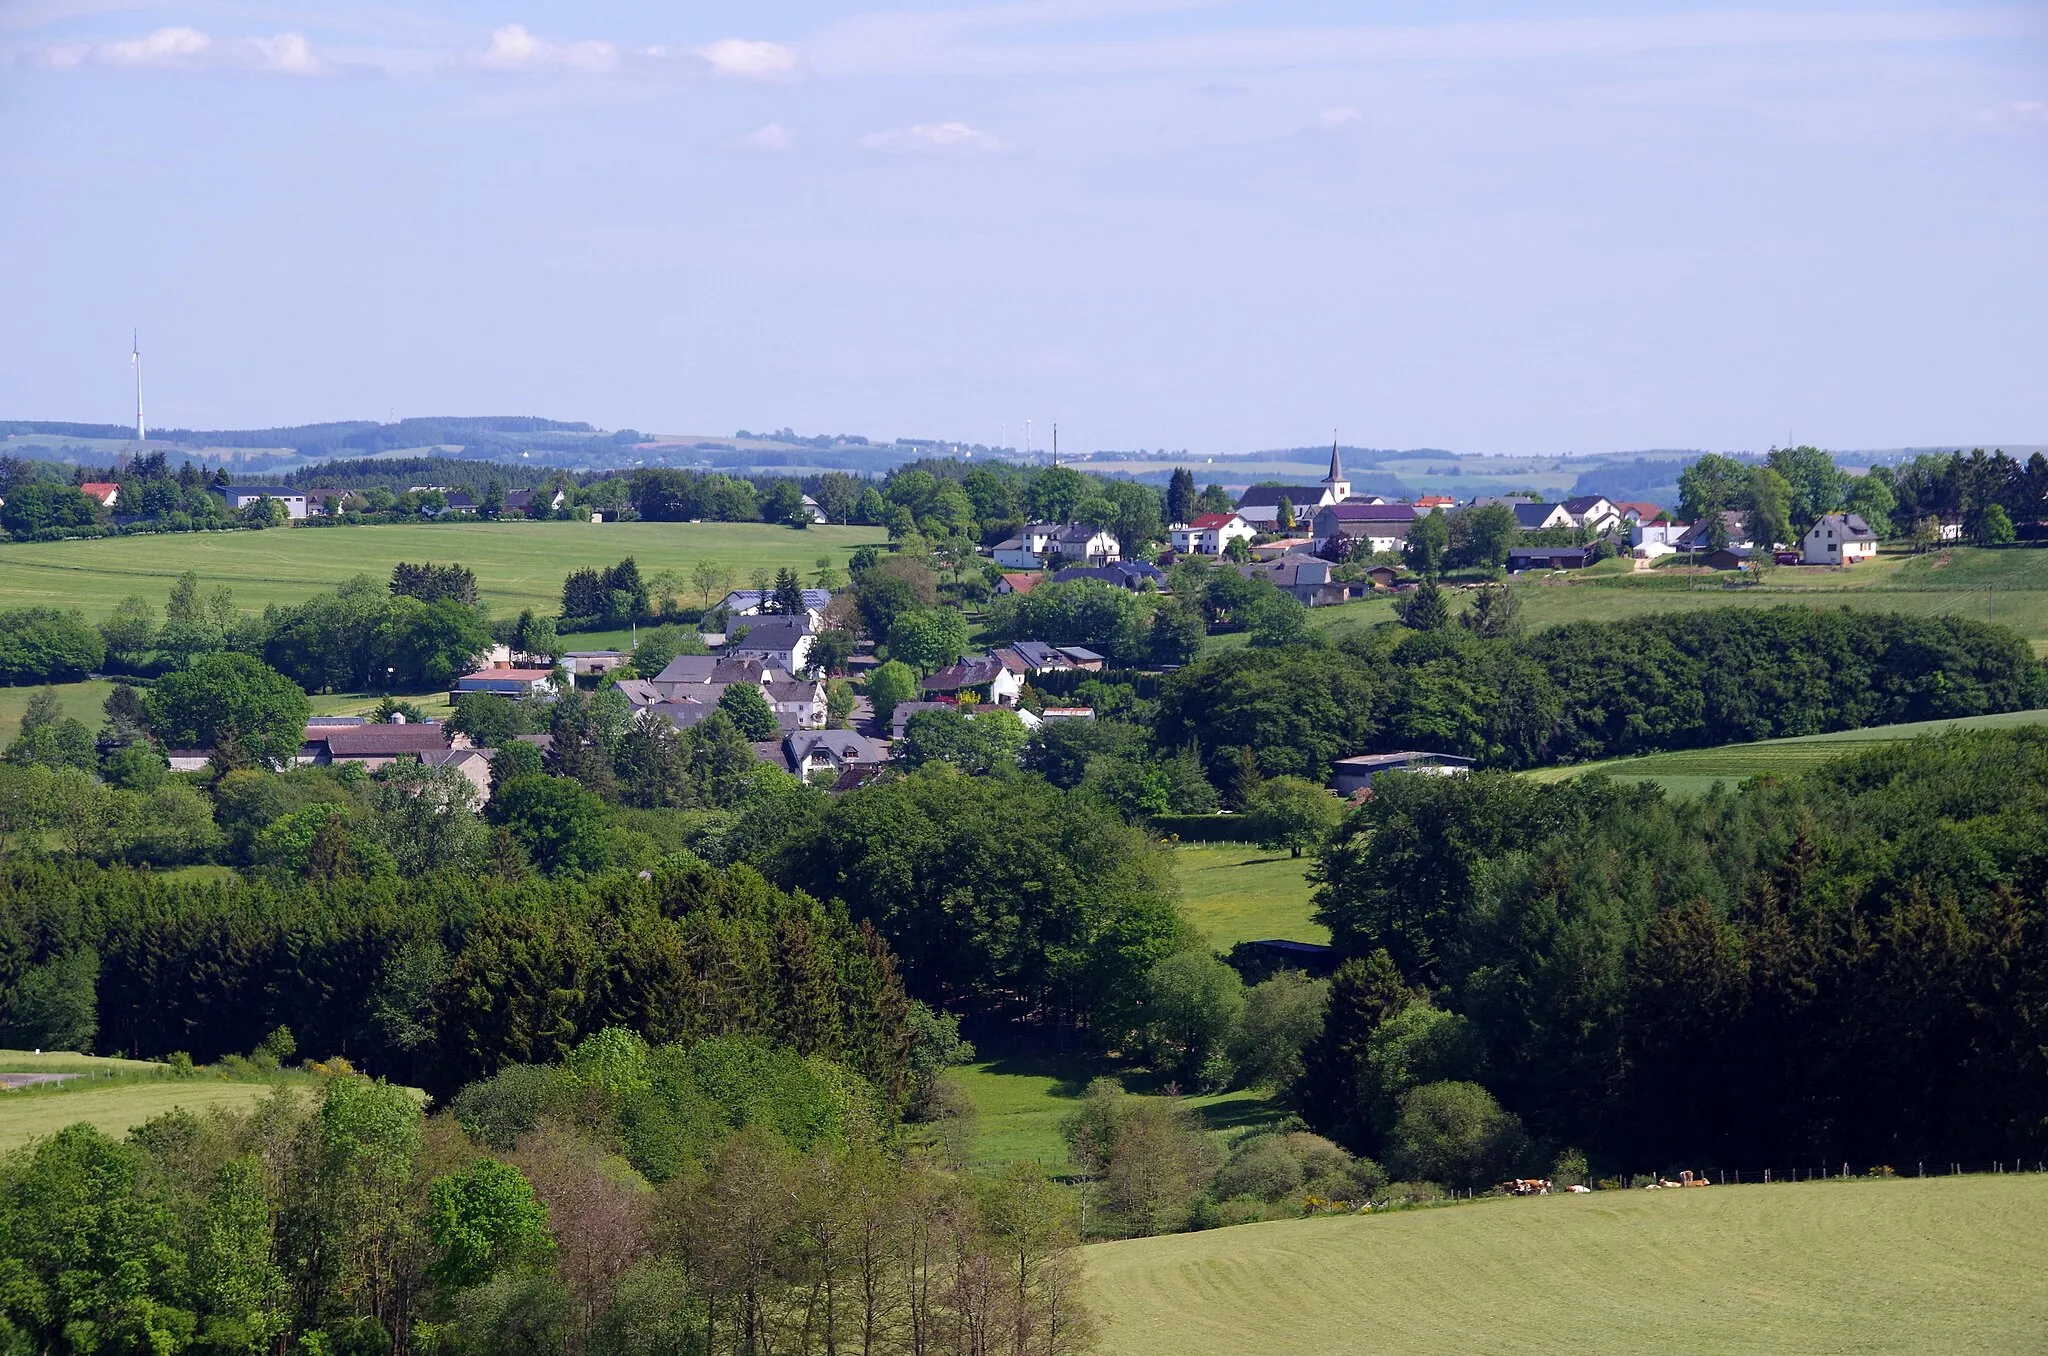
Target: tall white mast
column 135, row 359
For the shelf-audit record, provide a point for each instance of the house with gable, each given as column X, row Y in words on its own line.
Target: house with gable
column 1260, row 505
column 1338, row 528
column 1838, row 539
column 1210, row 534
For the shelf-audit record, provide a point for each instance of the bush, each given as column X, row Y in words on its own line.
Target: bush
column 45, row 645
column 1457, row 1134
column 1262, row 1168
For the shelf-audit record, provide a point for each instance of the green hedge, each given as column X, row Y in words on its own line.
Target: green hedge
column 1224, row 828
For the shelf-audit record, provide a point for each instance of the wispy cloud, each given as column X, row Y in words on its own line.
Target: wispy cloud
column 955, row 137
column 1331, row 119
column 2022, row 113
column 188, row 49
column 514, row 48
column 773, row 137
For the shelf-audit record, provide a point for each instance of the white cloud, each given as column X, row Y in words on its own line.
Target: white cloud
column 165, row 47
column 188, row 49
column 934, row 136
column 513, row 48
column 2024, row 113
column 773, row 137
column 749, row 59
column 1330, row 119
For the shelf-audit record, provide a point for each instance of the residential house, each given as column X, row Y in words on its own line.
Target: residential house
column 453, row 501
column 1699, row 535
column 1083, row 658
column 105, row 491
column 641, row 692
column 751, row 602
column 900, row 717
column 1018, row 582
column 240, row 497
column 325, row 500
column 1539, row 517
column 1522, row 558
column 780, row 642
column 1435, row 503
column 978, row 674
column 687, row 673
column 1635, row 511
column 1594, row 513
column 802, row 701
column 816, row 510
column 474, row 764
column 1132, row 575
column 1355, row 774
column 1732, row 558
column 1260, row 505
column 534, row 503
column 833, row 751
column 1838, row 539
column 1211, row 534
column 1033, row 656
column 1656, row 532
column 1305, row 577
column 1036, row 543
column 1338, row 528
column 506, row 682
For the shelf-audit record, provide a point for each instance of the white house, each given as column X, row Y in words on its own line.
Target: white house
column 1069, row 541
column 240, row 497
column 779, row 642
column 1663, row 533
column 1595, row 513
column 833, row 751
column 1003, row 683
column 1211, row 534
column 802, row 702
column 507, row 682
column 1838, row 539
column 749, row 602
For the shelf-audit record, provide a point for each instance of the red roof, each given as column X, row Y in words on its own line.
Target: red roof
column 1022, row 582
column 99, row 489
column 1436, row 501
column 1210, row 521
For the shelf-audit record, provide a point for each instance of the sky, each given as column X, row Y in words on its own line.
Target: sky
column 1479, row 225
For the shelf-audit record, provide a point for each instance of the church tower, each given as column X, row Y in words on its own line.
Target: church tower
column 1336, row 489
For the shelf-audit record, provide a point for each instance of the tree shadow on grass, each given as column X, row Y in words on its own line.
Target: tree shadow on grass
column 1239, row 1113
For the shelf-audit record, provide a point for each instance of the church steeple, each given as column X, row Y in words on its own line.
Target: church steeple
column 1335, row 487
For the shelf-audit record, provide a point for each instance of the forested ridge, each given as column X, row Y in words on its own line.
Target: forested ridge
column 1848, row 965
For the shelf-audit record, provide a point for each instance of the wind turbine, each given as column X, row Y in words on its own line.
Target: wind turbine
column 135, row 361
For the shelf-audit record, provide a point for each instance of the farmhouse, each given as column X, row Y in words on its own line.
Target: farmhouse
column 1838, row 539
column 107, row 493
column 1356, row 773
column 373, row 746
column 1211, row 534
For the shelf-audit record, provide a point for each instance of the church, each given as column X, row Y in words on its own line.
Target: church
column 1260, row 505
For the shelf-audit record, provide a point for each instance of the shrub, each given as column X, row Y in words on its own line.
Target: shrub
column 1457, row 1134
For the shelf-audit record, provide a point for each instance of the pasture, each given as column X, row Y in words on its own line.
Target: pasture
column 2007, row 586
column 82, row 701
column 517, row 564
column 1692, row 772
column 1900, row 1266
column 1235, row 892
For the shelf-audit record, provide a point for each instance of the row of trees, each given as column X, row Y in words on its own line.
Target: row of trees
column 1780, row 497
column 1590, row 690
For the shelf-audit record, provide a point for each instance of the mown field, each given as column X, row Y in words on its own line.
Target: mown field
column 1691, row 772
column 82, row 701
column 1020, row 1103
column 2005, row 586
column 1907, row 1266
column 518, row 565
column 1235, row 892
column 39, row 1111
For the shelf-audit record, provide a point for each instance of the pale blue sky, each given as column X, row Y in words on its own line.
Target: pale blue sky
column 1488, row 226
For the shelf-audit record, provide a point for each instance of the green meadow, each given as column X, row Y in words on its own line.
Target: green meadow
column 1945, row 1265
column 1694, row 771
column 518, row 564
column 1235, row 892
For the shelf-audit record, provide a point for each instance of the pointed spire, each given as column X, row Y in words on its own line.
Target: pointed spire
column 1336, row 468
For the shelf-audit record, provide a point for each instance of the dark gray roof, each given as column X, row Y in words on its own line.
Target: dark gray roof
column 268, row 491
column 773, row 633
column 1298, row 495
column 844, row 745
column 976, row 672
column 1533, row 515
column 1367, row 513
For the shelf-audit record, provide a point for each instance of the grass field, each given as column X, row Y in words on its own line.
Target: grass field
column 1020, row 1102
column 2005, row 586
column 518, row 564
column 1691, row 772
column 1944, row 1265
column 1235, row 892
column 33, row 1114
column 82, row 701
